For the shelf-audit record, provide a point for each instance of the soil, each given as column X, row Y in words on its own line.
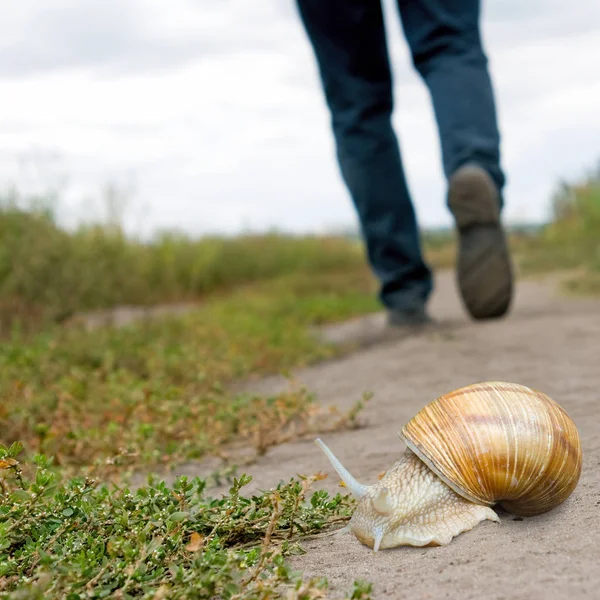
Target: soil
column 549, row 342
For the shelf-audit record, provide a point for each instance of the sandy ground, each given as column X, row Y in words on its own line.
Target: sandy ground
column 549, row 342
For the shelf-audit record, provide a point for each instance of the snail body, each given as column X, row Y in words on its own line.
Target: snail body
column 486, row 444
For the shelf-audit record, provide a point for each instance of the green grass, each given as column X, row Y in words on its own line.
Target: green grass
column 47, row 274
column 150, row 394
column 158, row 392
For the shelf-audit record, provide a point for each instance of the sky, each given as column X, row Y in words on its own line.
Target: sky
column 208, row 117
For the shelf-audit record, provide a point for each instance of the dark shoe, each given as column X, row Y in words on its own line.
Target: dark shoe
column 410, row 318
column 484, row 268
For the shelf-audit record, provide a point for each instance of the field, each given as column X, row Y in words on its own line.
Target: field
column 85, row 404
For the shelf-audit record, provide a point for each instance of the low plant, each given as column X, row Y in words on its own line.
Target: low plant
column 77, row 539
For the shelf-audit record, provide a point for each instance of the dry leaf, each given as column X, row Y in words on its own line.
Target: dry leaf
column 7, row 463
column 196, row 542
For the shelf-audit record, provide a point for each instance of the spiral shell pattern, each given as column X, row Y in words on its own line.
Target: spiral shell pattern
column 497, row 442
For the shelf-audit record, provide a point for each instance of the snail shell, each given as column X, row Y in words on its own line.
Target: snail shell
column 484, row 444
column 499, row 443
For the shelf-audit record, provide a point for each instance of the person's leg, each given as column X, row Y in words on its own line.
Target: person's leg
column 445, row 42
column 348, row 41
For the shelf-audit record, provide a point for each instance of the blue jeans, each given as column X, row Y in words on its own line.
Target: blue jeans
column 349, row 43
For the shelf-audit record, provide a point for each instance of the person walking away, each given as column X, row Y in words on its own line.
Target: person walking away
column 349, row 44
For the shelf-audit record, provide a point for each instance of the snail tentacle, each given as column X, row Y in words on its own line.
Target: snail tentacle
column 358, row 489
column 377, row 538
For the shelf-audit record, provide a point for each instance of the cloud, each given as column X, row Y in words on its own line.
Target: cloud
column 122, row 38
column 215, row 111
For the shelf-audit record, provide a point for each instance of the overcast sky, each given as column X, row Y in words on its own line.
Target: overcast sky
column 210, row 112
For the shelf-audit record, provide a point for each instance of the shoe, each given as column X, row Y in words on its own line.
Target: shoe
column 484, row 269
column 411, row 318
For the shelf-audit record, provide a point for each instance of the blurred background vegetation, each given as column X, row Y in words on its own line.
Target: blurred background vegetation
column 48, row 273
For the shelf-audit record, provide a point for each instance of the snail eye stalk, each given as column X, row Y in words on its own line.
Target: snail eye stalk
column 382, row 502
column 358, row 489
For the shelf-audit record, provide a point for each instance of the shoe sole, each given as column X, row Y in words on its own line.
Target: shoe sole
column 484, row 269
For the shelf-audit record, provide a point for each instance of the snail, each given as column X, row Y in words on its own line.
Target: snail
column 483, row 444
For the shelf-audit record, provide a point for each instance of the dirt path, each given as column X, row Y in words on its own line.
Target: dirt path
column 548, row 342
